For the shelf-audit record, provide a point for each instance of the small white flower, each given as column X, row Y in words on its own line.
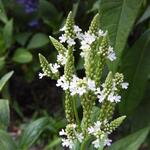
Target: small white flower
column 81, row 90
column 111, row 54
column 102, row 33
column 77, row 29
column 125, row 85
column 80, row 137
column 96, row 143
column 98, row 91
column 82, row 54
column 67, row 143
column 91, row 85
column 114, row 98
column 97, row 126
column 62, row 132
column 101, row 98
column 107, row 142
column 61, row 59
column 62, row 38
column 62, row 83
column 91, row 130
column 71, row 42
column 41, row 75
column 54, row 67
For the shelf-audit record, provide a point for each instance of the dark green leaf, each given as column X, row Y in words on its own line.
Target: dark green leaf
column 6, row 142
column 136, row 67
column 131, row 142
column 22, row 55
column 7, row 33
column 5, row 78
column 4, row 113
column 118, row 16
column 32, row 133
column 38, row 40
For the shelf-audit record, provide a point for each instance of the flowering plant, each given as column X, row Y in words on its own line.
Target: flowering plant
column 95, row 50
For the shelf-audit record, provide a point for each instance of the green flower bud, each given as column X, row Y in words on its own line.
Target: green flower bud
column 94, row 26
column 46, row 67
column 60, row 48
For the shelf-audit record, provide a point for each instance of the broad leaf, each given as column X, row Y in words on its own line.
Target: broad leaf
column 5, row 78
column 38, row 40
column 4, row 113
column 32, row 133
column 3, row 16
column 118, row 16
column 131, row 142
column 136, row 67
column 22, row 55
column 7, row 33
column 6, row 142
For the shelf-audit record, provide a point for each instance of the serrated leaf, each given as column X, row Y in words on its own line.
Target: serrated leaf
column 6, row 142
column 131, row 142
column 5, row 78
column 32, row 133
column 22, row 55
column 118, row 16
column 7, row 33
column 4, row 113
column 135, row 67
column 38, row 40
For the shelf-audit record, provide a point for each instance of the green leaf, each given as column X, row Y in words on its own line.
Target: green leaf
column 131, row 142
column 118, row 16
column 22, row 38
column 5, row 78
column 136, row 68
column 38, row 40
column 22, row 55
column 3, row 16
column 7, row 33
column 32, row 133
column 6, row 142
column 4, row 113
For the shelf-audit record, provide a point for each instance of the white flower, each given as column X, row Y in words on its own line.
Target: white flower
column 80, row 137
column 96, row 143
column 102, row 33
column 107, row 142
column 125, row 85
column 62, row 83
column 54, row 67
column 91, row 85
column 77, row 29
column 114, row 98
column 41, row 75
column 67, row 143
column 101, row 97
column 81, row 90
column 98, row 91
column 61, row 59
column 84, row 45
column 91, row 130
column 94, row 129
column 62, row 38
column 111, row 54
column 71, row 42
column 82, row 54
column 62, row 132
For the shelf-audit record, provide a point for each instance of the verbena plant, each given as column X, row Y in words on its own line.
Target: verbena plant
column 95, row 50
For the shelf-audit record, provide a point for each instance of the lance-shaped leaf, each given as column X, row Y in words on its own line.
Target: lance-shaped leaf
column 4, row 113
column 131, row 142
column 135, row 67
column 118, row 16
column 32, row 133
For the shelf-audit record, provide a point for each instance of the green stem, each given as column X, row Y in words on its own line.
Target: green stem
column 75, row 110
column 83, row 145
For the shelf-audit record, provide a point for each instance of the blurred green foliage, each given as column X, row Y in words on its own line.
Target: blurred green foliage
column 23, row 35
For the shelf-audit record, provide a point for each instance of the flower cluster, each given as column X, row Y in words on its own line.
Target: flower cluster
column 95, row 50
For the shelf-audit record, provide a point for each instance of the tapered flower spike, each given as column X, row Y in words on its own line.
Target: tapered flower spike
column 94, row 26
column 46, row 68
column 114, row 124
column 60, row 48
column 69, row 26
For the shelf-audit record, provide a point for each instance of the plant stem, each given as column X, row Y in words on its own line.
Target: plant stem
column 75, row 110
